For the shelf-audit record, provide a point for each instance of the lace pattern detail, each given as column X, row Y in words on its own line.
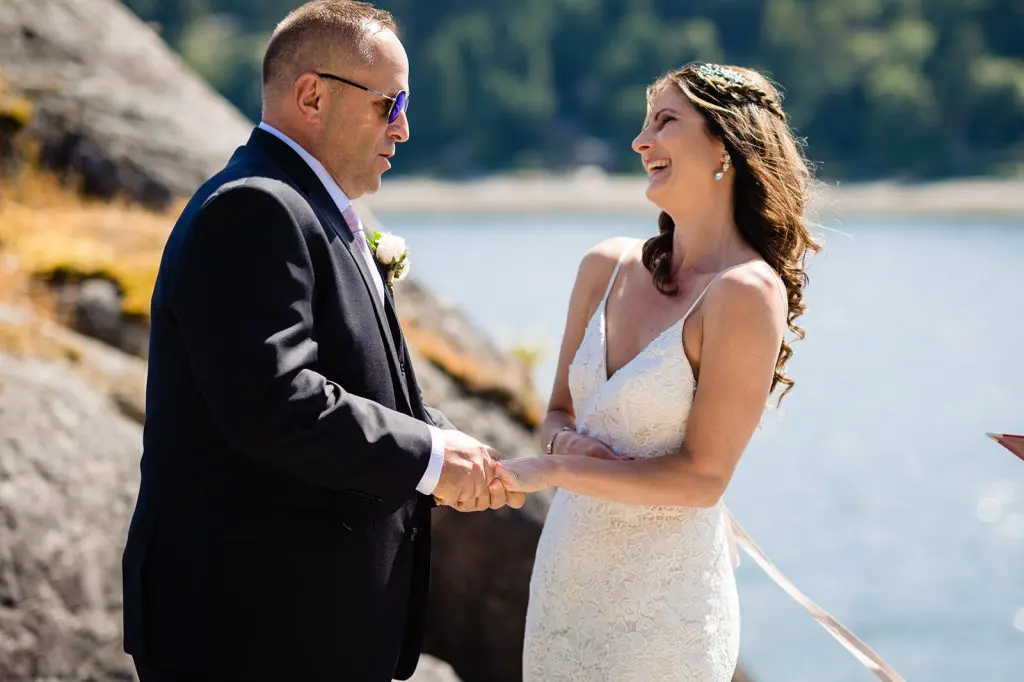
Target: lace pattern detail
column 624, row 592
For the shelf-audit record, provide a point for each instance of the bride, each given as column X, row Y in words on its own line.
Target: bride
column 671, row 349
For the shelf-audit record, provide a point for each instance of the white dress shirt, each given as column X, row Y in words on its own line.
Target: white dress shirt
column 432, row 475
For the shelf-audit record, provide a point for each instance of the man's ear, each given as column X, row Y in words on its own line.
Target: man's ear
column 309, row 97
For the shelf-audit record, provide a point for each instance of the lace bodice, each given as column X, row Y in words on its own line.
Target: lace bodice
column 642, row 409
column 626, row 592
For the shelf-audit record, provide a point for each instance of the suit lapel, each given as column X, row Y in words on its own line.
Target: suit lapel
column 340, row 227
column 300, row 173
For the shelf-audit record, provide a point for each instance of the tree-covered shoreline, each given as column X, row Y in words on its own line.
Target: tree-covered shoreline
column 908, row 89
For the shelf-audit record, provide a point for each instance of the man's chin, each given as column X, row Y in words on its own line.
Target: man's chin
column 373, row 185
column 368, row 185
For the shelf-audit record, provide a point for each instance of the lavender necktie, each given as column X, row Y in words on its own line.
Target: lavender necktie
column 352, row 220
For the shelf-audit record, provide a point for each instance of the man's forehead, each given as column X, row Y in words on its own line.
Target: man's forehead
column 388, row 60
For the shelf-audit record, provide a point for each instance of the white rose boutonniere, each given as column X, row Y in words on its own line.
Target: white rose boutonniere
column 391, row 252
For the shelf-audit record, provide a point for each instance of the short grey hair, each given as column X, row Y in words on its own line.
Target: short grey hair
column 312, row 32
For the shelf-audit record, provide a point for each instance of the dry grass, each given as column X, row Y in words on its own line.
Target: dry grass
column 54, row 232
column 47, row 228
column 476, row 377
column 28, row 339
column 13, row 106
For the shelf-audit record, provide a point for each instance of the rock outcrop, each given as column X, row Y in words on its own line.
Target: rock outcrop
column 68, row 476
column 113, row 104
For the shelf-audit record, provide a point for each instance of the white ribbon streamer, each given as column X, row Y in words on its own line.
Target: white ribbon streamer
column 861, row 651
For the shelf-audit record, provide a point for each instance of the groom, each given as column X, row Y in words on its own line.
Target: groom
column 282, row 528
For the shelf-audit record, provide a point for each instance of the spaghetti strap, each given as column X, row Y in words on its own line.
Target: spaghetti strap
column 714, row 279
column 615, row 271
column 784, row 292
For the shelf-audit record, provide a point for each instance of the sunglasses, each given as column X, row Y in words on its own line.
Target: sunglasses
column 399, row 103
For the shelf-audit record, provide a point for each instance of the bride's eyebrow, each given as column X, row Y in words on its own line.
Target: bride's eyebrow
column 651, row 118
column 654, row 118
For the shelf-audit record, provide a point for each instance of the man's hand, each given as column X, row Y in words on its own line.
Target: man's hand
column 501, row 496
column 467, row 474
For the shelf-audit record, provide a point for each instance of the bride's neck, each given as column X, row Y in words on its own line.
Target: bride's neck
column 705, row 240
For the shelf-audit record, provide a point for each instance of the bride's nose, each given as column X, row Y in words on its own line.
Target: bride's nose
column 642, row 142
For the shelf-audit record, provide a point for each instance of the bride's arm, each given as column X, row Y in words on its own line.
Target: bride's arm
column 592, row 277
column 743, row 324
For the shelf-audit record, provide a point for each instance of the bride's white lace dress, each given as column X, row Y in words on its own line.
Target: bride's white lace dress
column 632, row 593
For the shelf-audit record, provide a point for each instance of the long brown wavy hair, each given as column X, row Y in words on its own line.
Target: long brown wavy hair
column 772, row 185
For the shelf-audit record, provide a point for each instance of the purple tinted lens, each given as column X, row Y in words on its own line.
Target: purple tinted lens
column 400, row 104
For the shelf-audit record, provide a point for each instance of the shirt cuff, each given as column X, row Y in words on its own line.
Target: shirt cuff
column 432, row 476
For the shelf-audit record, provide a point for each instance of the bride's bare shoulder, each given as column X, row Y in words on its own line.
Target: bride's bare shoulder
column 599, row 261
column 592, row 277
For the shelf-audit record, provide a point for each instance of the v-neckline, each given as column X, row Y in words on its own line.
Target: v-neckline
column 603, row 310
column 604, row 341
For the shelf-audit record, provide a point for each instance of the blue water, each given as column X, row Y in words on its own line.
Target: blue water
column 874, row 488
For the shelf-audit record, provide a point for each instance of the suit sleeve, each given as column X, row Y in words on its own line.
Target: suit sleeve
column 438, row 418
column 242, row 297
column 435, row 416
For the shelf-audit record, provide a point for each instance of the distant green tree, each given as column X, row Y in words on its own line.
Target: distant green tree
column 904, row 88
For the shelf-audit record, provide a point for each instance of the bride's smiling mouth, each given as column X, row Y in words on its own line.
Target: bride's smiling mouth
column 656, row 165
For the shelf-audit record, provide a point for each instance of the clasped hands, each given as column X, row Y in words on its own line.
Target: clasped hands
column 473, row 478
column 469, row 480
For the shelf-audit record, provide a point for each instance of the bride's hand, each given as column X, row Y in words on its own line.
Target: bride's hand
column 525, row 474
column 572, row 443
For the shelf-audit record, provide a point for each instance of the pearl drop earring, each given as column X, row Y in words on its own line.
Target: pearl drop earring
column 725, row 168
